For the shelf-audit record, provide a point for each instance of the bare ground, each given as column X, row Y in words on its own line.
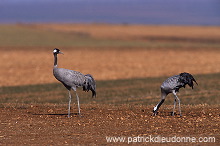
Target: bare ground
column 48, row 124
column 34, row 65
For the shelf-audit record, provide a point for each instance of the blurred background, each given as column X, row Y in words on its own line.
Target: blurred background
column 181, row 12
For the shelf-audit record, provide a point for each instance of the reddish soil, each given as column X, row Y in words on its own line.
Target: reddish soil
column 35, row 67
column 49, row 125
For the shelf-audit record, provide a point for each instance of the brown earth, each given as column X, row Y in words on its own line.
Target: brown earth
column 49, row 125
column 34, row 65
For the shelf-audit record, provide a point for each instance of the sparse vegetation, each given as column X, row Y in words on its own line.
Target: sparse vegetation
column 104, row 35
column 144, row 91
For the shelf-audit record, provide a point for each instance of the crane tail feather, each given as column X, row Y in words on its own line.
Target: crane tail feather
column 187, row 79
column 90, row 84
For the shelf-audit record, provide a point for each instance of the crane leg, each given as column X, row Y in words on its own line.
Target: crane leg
column 176, row 97
column 156, row 108
column 174, row 106
column 77, row 97
column 69, row 103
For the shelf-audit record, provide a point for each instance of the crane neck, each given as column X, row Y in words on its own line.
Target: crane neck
column 55, row 60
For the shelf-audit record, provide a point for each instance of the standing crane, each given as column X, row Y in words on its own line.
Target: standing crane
column 172, row 85
column 72, row 79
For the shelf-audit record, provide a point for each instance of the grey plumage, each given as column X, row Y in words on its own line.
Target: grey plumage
column 172, row 85
column 89, row 84
column 73, row 79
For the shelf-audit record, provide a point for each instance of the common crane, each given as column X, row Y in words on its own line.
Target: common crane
column 172, row 85
column 73, row 79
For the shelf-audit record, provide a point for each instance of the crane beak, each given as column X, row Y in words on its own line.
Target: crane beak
column 61, row 53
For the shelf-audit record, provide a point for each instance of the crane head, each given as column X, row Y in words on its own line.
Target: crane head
column 57, row 51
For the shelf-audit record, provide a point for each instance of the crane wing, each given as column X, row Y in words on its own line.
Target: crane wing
column 69, row 77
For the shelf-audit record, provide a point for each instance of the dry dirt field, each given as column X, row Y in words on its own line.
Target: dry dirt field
column 23, row 65
column 49, row 125
column 34, row 66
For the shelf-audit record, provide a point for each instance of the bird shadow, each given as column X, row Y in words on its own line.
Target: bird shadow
column 57, row 114
column 167, row 114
